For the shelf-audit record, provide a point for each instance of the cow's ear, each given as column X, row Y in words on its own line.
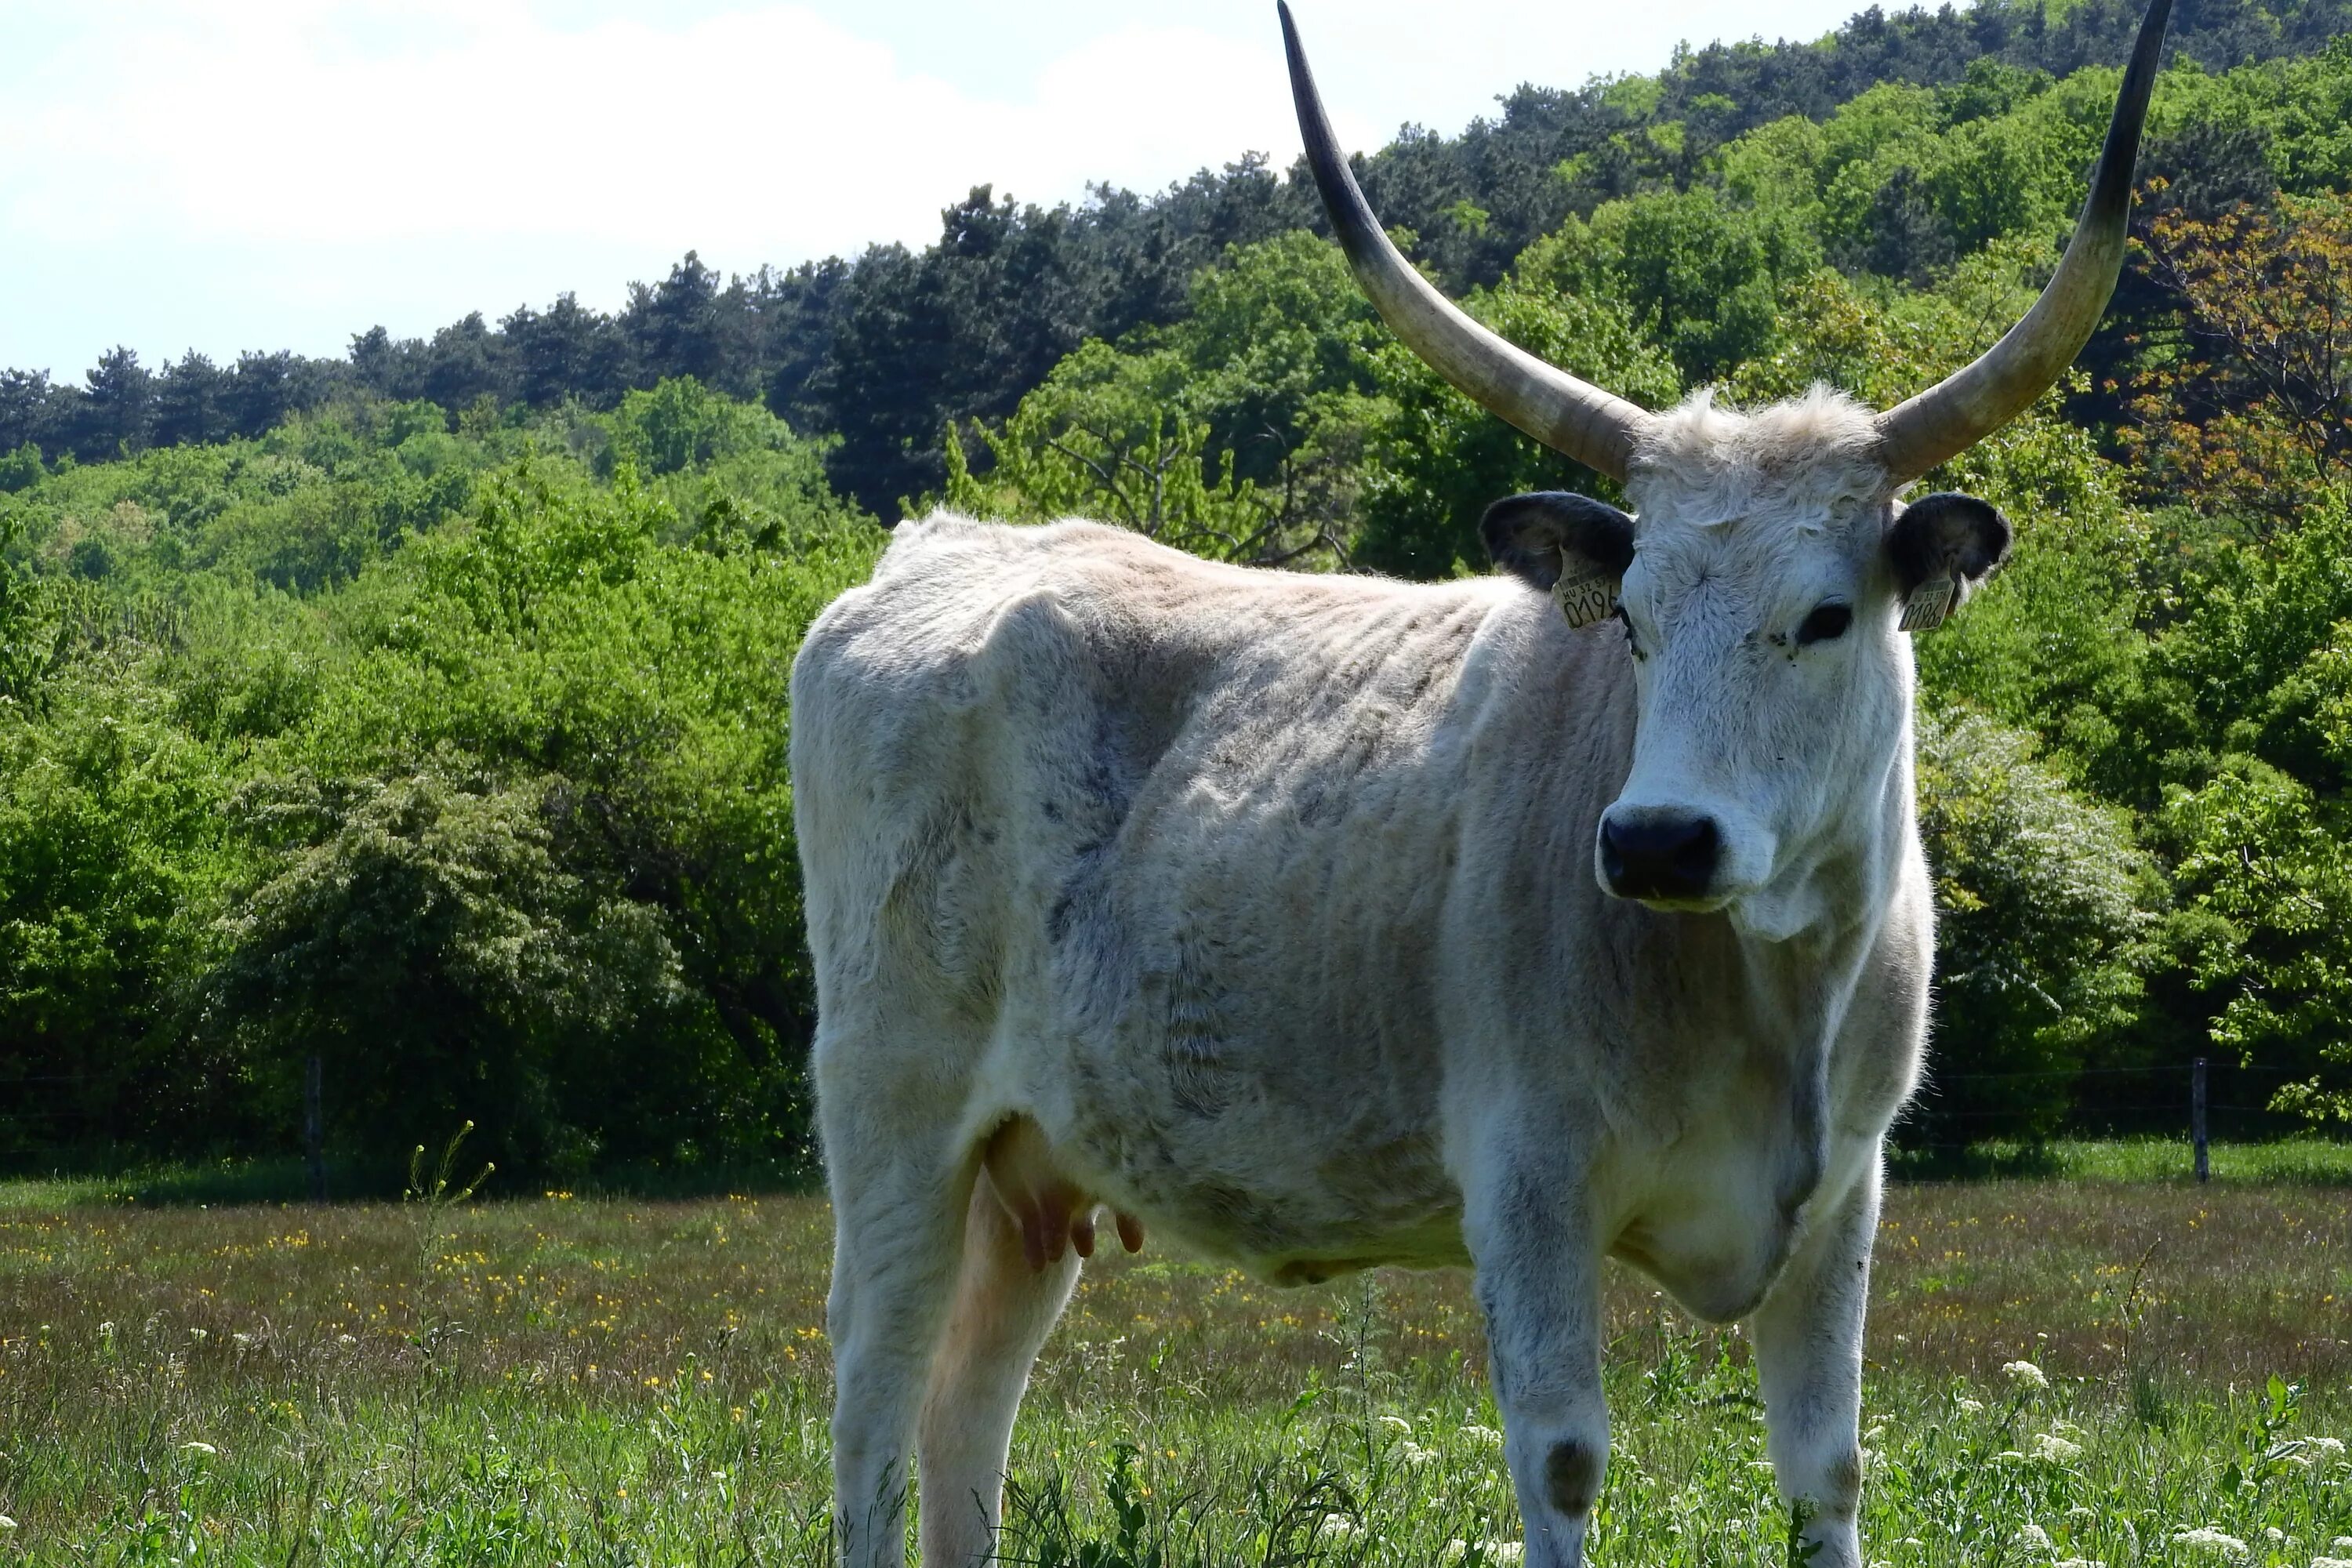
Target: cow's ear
column 1941, row 548
column 1539, row 536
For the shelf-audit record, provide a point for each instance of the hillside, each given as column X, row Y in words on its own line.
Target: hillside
column 423, row 713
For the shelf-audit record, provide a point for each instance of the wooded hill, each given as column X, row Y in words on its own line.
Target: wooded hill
column 425, row 710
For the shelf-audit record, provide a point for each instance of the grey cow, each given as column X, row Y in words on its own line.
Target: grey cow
column 1321, row 923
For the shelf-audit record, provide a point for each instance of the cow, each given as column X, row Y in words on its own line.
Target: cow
column 1322, row 922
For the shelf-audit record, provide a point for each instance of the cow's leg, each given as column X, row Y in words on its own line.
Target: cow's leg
column 1004, row 1309
column 1539, row 1283
column 1807, row 1336
column 898, row 1201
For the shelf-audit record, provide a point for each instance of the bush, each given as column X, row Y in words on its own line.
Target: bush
column 2043, row 907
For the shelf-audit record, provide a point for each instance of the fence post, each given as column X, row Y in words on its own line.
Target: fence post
column 314, row 1129
column 2196, row 1117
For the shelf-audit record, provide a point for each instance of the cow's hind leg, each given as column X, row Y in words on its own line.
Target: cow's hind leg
column 899, row 1213
column 1004, row 1309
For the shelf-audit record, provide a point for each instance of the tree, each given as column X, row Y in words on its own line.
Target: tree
column 190, row 403
column 2251, row 405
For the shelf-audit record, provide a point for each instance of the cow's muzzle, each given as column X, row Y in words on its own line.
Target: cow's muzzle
column 1660, row 855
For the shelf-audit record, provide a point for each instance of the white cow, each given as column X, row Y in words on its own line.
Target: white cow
column 1324, row 923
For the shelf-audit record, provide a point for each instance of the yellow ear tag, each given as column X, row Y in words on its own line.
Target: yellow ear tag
column 1925, row 609
column 1585, row 594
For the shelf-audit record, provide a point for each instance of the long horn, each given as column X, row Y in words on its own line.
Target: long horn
column 1973, row 402
column 1556, row 408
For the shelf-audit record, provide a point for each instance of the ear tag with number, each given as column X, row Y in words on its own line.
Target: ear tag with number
column 1585, row 594
column 1927, row 605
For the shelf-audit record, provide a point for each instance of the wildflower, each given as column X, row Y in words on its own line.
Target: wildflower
column 1494, row 1552
column 2331, row 1447
column 2205, row 1538
column 1477, row 1434
column 2026, row 1374
column 242, row 1340
column 2274, row 1533
column 7, row 1523
column 1414, row 1454
column 1971, row 1406
column 196, row 1334
column 1397, row 1422
column 198, row 1449
column 1339, row 1526
column 2331, row 1563
column 2032, row 1537
column 2073, row 1563
column 347, row 1339
column 2057, row 1450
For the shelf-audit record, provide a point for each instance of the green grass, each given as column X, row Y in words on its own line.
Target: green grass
column 2304, row 1161
column 626, row 1382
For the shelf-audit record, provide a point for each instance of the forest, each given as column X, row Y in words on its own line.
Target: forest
column 423, row 713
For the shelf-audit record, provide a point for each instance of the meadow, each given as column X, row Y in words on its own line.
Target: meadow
column 2096, row 1368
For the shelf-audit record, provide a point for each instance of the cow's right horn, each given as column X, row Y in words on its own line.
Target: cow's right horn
column 1973, row 402
column 1565, row 414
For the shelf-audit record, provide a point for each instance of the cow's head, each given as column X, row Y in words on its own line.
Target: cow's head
column 1768, row 572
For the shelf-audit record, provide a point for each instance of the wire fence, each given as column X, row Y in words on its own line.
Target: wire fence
column 1954, row 1112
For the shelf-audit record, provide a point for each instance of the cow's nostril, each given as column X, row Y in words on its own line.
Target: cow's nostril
column 1660, row 855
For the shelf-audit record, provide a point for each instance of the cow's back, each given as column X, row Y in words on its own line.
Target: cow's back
column 1160, row 847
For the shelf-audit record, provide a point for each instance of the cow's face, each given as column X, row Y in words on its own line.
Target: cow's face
column 1761, row 607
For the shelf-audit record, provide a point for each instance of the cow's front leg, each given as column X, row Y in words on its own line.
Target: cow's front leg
column 1539, row 1283
column 1808, row 1337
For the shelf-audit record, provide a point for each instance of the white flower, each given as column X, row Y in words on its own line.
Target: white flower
column 1398, row 1422
column 1483, row 1434
column 2032, row 1537
column 1414, row 1454
column 2331, row 1563
column 7, row 1523
column 1339, row 1526
column 2056, row 1449
column 198, row 1449
column 2341, row 1544
column 2073, row 1563
column 347, row 1339
column 2205, row 1538
column 2331, row 1447
column 1496, row 1552
column 2026, row 1374
column 198, row 1334
column 1971, row 1406
column 242, row 1340
column 2079, row 1511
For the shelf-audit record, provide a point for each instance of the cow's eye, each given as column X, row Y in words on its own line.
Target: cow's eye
column 1826, row 621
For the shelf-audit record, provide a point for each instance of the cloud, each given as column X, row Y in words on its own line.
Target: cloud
column 773, row 131
column 241, row 173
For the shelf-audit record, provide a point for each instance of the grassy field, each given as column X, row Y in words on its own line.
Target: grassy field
column 565, row 1379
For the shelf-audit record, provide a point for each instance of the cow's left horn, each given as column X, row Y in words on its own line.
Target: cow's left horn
column 1569, row 416
column 1973, row 402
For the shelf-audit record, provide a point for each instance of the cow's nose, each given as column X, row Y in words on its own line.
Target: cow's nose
column 1660, row 855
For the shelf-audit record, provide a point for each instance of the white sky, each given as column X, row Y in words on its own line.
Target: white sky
column 227, row 175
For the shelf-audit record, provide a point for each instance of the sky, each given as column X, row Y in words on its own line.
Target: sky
column 232, row 175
